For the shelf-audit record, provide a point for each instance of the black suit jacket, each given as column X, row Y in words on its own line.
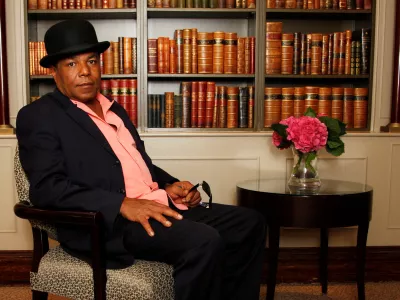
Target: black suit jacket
column 71, row 166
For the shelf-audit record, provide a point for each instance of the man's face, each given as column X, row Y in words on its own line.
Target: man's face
column 78, row 77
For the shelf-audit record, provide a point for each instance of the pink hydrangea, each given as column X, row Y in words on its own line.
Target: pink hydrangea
column 307, row 134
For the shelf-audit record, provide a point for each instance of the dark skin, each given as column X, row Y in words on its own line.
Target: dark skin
column 78, row 77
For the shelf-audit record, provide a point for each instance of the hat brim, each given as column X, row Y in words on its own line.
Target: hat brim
column 50, row 60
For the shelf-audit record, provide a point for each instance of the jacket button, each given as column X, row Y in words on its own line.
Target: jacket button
column 122, row 191
column 117, row 162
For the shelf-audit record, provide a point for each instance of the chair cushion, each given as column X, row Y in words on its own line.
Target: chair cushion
column 64, row 275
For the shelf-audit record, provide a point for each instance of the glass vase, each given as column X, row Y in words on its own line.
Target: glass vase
column 304, row 176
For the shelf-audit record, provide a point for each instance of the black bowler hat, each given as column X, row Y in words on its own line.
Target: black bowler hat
column 68, row 38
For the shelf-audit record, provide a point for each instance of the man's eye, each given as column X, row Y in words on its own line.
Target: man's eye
column 71, row 64
column 92, row 61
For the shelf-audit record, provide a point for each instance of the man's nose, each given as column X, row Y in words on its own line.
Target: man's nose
column 84, row 69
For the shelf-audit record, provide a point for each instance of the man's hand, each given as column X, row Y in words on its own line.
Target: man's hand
column 141, row 210
column 179, row 193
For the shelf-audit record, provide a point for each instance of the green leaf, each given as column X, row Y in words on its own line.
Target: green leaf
column 280, row 129
column 310, row 113
column 334, row 128
column 342, row 128
column 336, row 151
column 334, row 144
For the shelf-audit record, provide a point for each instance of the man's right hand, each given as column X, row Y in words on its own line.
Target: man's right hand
column 141, row 210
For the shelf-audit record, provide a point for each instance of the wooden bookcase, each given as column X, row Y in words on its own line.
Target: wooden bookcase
column 145, row 23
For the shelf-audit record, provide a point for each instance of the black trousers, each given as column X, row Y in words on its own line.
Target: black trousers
column 216, row 253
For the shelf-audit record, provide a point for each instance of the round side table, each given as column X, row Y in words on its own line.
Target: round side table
column 335, row 204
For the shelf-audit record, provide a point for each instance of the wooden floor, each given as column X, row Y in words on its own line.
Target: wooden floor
column 374, row 291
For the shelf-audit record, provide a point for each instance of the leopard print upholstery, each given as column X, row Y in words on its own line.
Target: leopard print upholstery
column 144, row 280
column 64, row 275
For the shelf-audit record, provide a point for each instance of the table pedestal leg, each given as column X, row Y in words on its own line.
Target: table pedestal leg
column 323, row 260
column 361, row 253
column 273, row 251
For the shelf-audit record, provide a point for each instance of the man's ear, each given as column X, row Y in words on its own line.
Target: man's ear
column 53, row 70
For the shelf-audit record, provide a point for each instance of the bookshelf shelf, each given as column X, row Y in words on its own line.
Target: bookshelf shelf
column 318, row 14
column 210, row 13
column 208, row 76
column 325, row 79
column 57, row 14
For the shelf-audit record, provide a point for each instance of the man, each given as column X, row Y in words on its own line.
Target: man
column 81, row 152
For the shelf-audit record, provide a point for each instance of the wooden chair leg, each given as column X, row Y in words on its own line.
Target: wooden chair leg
column 36, row 295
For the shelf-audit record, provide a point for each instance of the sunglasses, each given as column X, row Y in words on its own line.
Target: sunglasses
column 206, row 188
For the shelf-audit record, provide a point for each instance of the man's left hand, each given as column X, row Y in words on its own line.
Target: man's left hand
column 179, row 193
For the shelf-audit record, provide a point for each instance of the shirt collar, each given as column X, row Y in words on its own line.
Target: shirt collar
column 104, row 102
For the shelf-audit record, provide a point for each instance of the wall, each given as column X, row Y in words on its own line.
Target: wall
column 225, row 159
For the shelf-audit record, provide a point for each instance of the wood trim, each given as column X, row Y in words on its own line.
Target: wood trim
column 295, row 265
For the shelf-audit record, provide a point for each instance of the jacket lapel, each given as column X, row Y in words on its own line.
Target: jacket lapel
column 84, row 121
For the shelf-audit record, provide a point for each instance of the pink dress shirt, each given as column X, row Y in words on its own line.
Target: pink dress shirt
column 137, row 177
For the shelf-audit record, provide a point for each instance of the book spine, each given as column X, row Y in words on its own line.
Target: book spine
column 32, row 4
column 342, row 4
column 222, row 107
column 123, row 98
column 273, row 48
column 365, row 49
column 132, row 90
column 42, row 4
column 151, row 3
column 99, row 3
column 251, row 3
column 127, row 41
column 230, row 4
column 232, row 107
column 238, row 4
column 149, row 110
column 359, row 4
column 162, row 111
column 114, row 83
column 243, row 107
column 240, row 56
column 187, row 51
column 120, row 3
column 303, row 54
column 205, row 4
column 353, row 58
column 308, row 54
column 287, row 103
column 251, row 106
column 178, row 111
column 194, row 51
column 105, row 88
column 342, row 53
column 360, row 107
column 189, row 4
column 290, row 4
column 358, row 58
column 330, row 54
column 152, row 56
column 329, row 4
column 247, row 56
column 210, row 104
column 230, row 53
column 279, row 3
column 166, row 3
column 186, row 102
column 169, row 110
column 317, row 4
column 195, row 104
column 271, row 4
column 221, row 4
column 336, row 53
column 205, row 52
column 115, row 51
column 296, row 53
column 367, row 4
column 325, row 54
column 201, row 109
column 311, row 97
column 287, row 53
column 166, row 51
column 316, row 53
column 121, row 54
column 215, row 123
column 160, row 55
column 347, row 63
column 213, row 4
column 337, row 103
column 111, row 4
column 134, row 55
column 179, row 50
column 300, row 4
column 325, row 102
column 348, row 107
column 159, row 3
column 174, row 3
column 108, row 61
column 335, row 4
column 252, row 54
column 298, row 101
column 181, row 3
column 272, row 105
column 172, row 56
column 196, row 4
column 310, row 4
column 30, row 49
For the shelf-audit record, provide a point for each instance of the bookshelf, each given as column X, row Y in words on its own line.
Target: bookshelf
column 145, row 23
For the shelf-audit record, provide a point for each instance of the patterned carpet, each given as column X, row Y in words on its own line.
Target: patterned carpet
column 374, row 291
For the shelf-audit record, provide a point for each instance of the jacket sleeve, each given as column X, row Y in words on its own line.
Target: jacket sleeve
column 43, row 161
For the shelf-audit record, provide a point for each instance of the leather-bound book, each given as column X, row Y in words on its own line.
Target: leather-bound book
column 84, row 4
column 308, row 54
column 290, row 4
column 169, row 110
column 60, row 4
column 53, row 4
column 316, row 53
column 120, row 3
column 325, row 54
column 365, row 49
column 108, row 61
column 189, row 4
column 195, row 104
column 151, row 3
column 310, row 4
column 273, row 47
column 358, row 58
column 121, row 54
column 342, row 4
column 330, row 54
column 303, row 54
column 166, row 3
column 367, row 4
column 111, row 4
column 296, row 52
column 160, row 55
column 311, row 97
column 360, row 107
column 351, row 4
column 272, row 105
column 114, row 83
column 325, row 102
column 205, row 52
column 132, row 94
column 127, row 55
column 348, row 107
column 336, row 53
column 149, row 111
column 194, row 51
column 105, row 3
column 124, row 100
column 271, row 3
column 287, row 53
column 328, row 4
column 252, row 54
column 32, row 4
column 42, row 4
column 347, row 62
column 251, row 106
column 178, row 111
column 238, row 4
column 215, row 123
column 353, row 58
column 317, row 4
column 162, row 111
column 230, row 53
column 105, row 88
column 243, row 107
column 210, row 97
column 342, row 53
column 287, row 109
column 159, row 3
column 152, row 66
column 335, row 4
column 230, row 3
column 132, row 4
column 247, row 56
column 251, row 3
column 172, row 56
column 337, row 103
column 134, row 55
column 218, row 52
column 232, row 107
column 174, row 3
column 305, row 4
column 300, row 4
column 102, row 63
column 181, row 3
column 31, row 57
column 115, row 50
column 201, row 108
column 197, row 3
column 222, row 95
column 240, row 55
column 159, row 99
column 298, row 101
column 178, row 36
column 205, row 4
column 166, row 50
column 221, row 3
column 359, row 4
column 280, row 4
column 186, row 103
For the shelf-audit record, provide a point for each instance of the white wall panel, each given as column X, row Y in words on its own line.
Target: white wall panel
column 394, row 189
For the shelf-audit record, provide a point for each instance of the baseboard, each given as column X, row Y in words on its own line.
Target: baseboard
column 295, row 265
